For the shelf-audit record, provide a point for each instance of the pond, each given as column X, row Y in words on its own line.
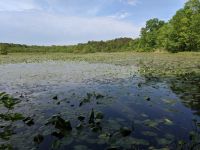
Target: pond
column 85, row 106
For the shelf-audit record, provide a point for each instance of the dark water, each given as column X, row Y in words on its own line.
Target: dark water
column 135, row 113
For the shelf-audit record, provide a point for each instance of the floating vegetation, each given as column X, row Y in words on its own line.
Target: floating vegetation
column 91, row 97
column 7, row 132
column 91, row 120
column 80, row 105
column 6, row 147
column 38, row 139
column 149, row 133
column 81, row 118
column 59, row 123
column 11, row 116
column 168, row 122
column 125, row 131
column 29, row 121
column 55, row 97
column 8, row 101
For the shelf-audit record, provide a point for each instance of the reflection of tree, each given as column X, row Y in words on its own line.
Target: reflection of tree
column 194, row 139
column 187, row 86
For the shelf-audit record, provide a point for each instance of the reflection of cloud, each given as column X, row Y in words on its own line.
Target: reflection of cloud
column 44, row 28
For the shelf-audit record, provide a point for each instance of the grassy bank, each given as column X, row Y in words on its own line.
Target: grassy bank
column 152, row 63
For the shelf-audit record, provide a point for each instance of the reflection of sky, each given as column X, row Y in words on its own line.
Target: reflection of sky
column 59, row 73
column 72, row 21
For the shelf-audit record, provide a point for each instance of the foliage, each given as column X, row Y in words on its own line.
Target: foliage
column 182, row 32
column 120, row 44
column 149, row 34
column 3, row 49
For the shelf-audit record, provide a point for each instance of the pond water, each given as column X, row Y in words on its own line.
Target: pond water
column 79, row 105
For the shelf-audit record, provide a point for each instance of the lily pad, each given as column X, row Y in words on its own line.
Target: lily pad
column 8, row 101
column 168, row 122
column 149, row 133
column 29, row 121
column 99, row 115
column 91, row 118
column 125, row 131
column 81, row 118
column 59, row 123
column 38, row 139
column 56, row 144
column 12, row 116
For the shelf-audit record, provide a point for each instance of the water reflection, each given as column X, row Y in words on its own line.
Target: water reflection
column 95, row 106
column 188, row 88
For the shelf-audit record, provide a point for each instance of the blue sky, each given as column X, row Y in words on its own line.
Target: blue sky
column 62, row 22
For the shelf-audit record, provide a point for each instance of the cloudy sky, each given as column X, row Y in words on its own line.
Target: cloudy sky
column 61, row 22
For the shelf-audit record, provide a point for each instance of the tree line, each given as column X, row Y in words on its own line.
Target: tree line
column 180, row 33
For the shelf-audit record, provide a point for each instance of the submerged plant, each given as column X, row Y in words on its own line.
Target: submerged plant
column 60, row 123
column 11, row 116
column 8, row 101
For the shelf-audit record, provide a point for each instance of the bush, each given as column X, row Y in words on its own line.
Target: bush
column 3, row 49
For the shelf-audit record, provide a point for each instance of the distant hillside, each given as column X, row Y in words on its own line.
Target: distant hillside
column 120, row 44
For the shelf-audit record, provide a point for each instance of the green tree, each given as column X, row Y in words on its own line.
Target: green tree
column 186, row 24
column 149, row 34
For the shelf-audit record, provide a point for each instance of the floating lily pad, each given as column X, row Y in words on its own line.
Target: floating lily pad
column 113, row 148
column 169, row 102
column 147, row 98
column 81, row 118
column 149, row 133
column 99, row 96
column 91, row 118
column 6, row 133
column 79, row 126
column 96, row 128
column 105, row 136
column 163, row 141
column 152, row 123
column 59, row 123
column 6, row 147
column 55, row 97
column 38, row 139
column 59, row 135
column 29, row 121
column 168, row 122
column 56, row 144
column 8, row 101
column 12, row 116
column 125, row 131
column 99, row 115
column 80, row 147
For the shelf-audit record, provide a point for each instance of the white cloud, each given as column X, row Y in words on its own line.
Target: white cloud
column 130, row 2
column 44, row 28
column 120, row 15
column 19, row 5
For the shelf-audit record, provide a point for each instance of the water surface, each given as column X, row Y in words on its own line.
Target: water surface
column 130, row 112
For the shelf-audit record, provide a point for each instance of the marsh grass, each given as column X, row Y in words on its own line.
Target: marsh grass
column 156, row 64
